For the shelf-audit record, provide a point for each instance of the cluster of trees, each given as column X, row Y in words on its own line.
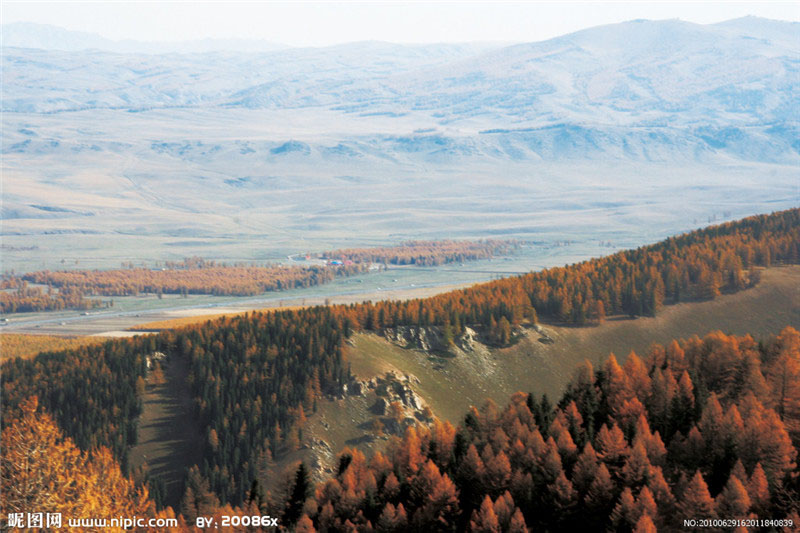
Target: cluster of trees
column 25, row 299
column 695, row 266
column 254, row 379
column 699, row 429
column 91, row 391
column 425, row 253
column 204, row 279
column 41, row 471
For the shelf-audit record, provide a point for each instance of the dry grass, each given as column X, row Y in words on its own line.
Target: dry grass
column 27, row 346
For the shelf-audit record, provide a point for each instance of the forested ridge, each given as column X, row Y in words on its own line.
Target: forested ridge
column 696, row 266
column 256, row 377
column 92, row 391
column 253, row 378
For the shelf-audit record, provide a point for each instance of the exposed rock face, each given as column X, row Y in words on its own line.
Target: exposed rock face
column 408, row 396
column 430, row 338
column 150, row 359
column 355, row 388
column 466, row 341
column 427, row 338
column 390, row 388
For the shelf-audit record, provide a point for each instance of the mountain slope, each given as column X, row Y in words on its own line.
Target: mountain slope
column 49, row 37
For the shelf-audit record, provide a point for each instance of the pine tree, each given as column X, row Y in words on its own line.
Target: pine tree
column 637, row 467
column 612, row 449
column 624, row 516
column 484, row 520
column 517, row 524
column 440, row 511
column 645, row 525
column 301, row 488
column 646, row 504
column 392, row 519
column 697, row 501
column 600, row 496
column 733, row 501
column 305, row 525
column 585, row 469
column 758, row 490
column 784, row 378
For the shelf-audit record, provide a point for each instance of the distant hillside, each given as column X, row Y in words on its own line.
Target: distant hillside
column 379, row 142
column 49, row 37
column 727, row 86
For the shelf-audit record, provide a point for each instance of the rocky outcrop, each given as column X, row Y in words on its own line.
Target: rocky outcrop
column 430, row 338
column 151, row 359
column 426, row 338
column 466, row 341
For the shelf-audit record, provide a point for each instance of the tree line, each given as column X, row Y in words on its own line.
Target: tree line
column 699, row 265
column 195, row 275
column 26, row 299
column 425, row 253
column 216, row 280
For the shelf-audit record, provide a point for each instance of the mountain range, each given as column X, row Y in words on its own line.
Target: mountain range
column 407, row 140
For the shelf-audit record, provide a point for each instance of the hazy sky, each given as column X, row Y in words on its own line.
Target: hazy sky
column 323, row 23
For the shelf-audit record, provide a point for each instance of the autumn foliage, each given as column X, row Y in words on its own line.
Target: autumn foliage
column 425, row 253
column 23, row 345
column 697, row 428
column 195, row 275
column 696, row 266
column 26, row 299
column 43, row 472
column 690, row 431
column 205, row 279
column 90, row 391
